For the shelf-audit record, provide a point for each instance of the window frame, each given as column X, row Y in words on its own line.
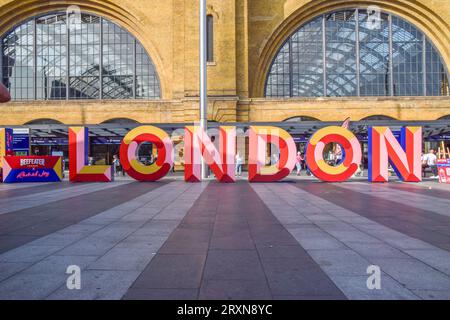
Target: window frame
column 35, row 97
column 323, row 17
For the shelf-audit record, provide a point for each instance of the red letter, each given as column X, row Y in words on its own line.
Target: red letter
column 197, row 144
column 404, row 157
column 350, row 148
column 79, row 170
column 259, row 138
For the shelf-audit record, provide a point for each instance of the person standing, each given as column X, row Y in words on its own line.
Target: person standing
column 338, row 155
column 430, row 161
column 116, row 164
column 298, row 163
column 238, row 164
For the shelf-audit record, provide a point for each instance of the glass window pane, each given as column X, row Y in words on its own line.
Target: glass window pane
column 307, row 60
column 297, row 68
column 118, row 62
column 73, row 55
column 18, row 62
column 407, row 48
column 210, row 38
column 374, row 56
column 84, row 58
column 147, row 82
column 341, row 53
column 437, row 76
column 51, row 57
column 278, row 83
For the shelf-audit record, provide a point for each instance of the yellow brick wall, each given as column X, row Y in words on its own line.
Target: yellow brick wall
column 247, row 35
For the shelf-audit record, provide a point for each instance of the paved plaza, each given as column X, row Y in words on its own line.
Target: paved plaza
column 297, row 239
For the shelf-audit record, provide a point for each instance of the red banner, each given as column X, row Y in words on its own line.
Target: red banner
column 443, row 166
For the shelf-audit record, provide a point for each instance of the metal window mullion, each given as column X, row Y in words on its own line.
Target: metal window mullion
column 67, row 57
column 291, row 75
column 34, row 59
column 1, row 61
column 134, row 69
column 324, row 50
column 424, row 64
column 101, row 60
column 391, row 58
column 358, row 54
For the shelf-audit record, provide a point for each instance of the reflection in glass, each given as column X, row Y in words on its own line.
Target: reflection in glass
column 42, row 59
column 389, row 58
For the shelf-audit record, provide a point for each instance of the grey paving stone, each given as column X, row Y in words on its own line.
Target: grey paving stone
column 414, row 274
column 322, row 242
column 297, row 276
column 340, row 262
column 233, row 265
column 438, row 259
column 89, row 247
column 149, row 243
column 81, row 229
column 126, row 259
column 280, row 252
column 234, row 290
column 308, row 297
column 7, row 269
column 433, row 294
column 376, row 250
column 354, row 236
column 161, row 294
column 57, row 239
column 29, row 253
column 98, row 285
column 355, row 288
column 26, row 286
column 57, row 265
column 172, row 271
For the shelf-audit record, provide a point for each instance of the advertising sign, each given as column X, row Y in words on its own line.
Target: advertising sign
column 6, row 142
column 32, row 169
column 444, row 170
column 21, row 141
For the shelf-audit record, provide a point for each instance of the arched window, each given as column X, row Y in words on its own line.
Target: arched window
column 377, row 117
column 119, row 121
column 349, row 53
column 58, row 57
column 301, row 119
column 43, row 121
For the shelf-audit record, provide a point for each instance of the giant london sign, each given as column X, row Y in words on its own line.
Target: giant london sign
column 385, row 152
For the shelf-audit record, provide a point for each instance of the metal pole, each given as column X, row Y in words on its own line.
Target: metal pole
column 203, row 77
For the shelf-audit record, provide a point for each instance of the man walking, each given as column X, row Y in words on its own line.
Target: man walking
column 429, row 160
